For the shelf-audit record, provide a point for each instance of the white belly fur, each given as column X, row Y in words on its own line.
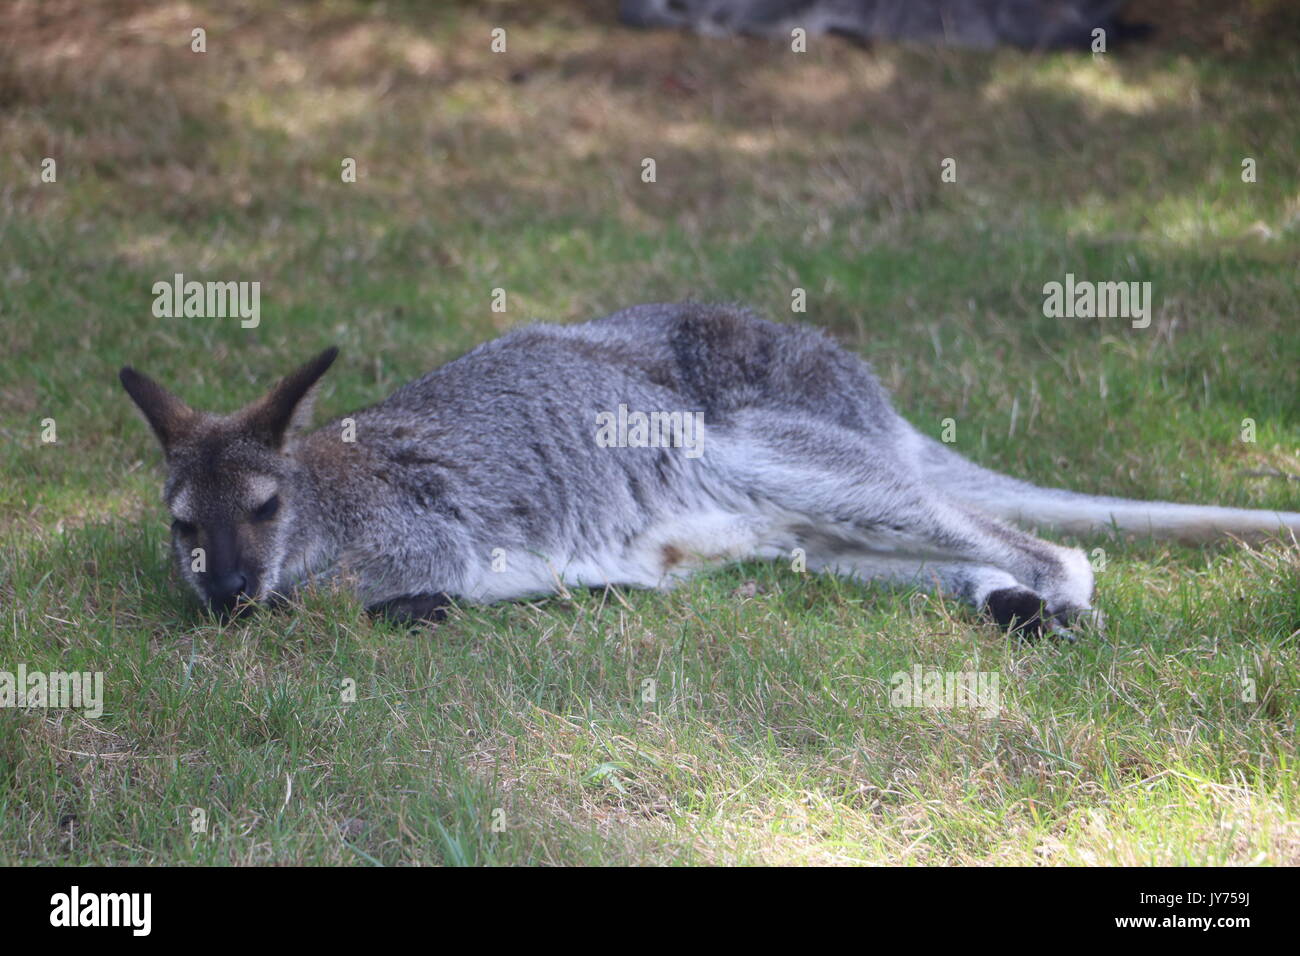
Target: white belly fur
column 664, row 555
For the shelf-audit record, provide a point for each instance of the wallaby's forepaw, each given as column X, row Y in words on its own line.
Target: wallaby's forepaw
column 413, row 610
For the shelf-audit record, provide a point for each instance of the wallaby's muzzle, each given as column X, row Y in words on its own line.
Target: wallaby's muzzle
column 229, row 595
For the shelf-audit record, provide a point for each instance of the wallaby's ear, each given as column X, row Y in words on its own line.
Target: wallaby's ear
column 167, row 415
column 288, row 405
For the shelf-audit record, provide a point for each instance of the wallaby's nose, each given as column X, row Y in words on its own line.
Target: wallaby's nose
column 230, row 584
column 226, row 590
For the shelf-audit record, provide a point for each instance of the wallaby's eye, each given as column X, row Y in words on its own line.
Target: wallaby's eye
column 267, row 509
column 183, row 528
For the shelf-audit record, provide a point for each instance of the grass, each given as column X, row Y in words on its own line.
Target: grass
column 524, row 733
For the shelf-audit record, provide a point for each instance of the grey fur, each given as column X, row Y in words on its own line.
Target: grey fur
column 484, row 480
column 970, row 23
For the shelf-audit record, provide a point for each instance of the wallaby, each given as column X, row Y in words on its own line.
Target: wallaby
column 981, row 24
column 630, row 450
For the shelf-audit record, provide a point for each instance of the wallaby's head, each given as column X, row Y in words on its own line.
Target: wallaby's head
column 233, row 489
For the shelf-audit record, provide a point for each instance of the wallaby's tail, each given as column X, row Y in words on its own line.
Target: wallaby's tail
column 1031, row 506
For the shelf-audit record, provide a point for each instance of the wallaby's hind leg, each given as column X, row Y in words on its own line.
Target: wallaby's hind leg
column 850, row 501
column 1018, row 580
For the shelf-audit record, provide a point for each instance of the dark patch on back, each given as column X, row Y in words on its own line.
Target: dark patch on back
column 724, row 356
column 728, row 358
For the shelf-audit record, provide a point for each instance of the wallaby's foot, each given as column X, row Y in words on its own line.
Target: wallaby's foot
column 1026, row 615
column 413, row 609
column 1017, row 609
